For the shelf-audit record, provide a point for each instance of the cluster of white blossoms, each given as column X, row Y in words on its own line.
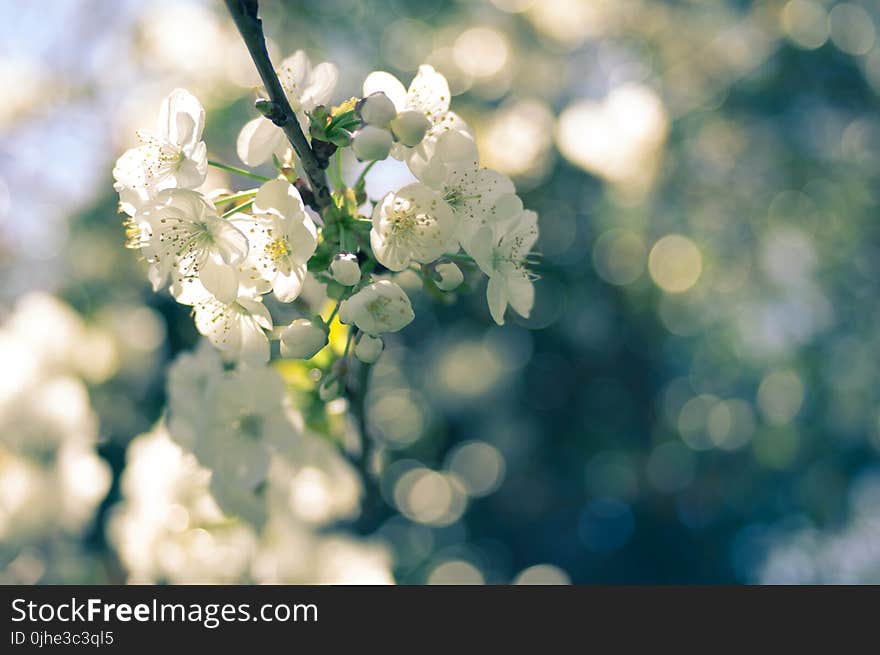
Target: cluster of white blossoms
column 234, row 255
column 268, row 240
column 232, row 487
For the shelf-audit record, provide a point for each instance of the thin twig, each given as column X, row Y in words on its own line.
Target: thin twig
column 244, row 13
column 238, row 171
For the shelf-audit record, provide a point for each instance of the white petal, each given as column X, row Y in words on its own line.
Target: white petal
column 279, row 197
column 258, row 311
column 220, row 279
column 257, row 141
column 181, row 119
column 293, row 75
column 229, row 241
column 288, row 287
column 457, row 146
column 254, row 346
column 388, row 253
column 302, row 239
column 387, row 84
column 496, row 296
column 521, row 294
column 429, row 93
column 480, row 248
column 322, row 83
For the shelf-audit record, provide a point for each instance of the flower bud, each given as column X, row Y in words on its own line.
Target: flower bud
column 345, row 269
column 368, row 348
column 329, row 389
column 447, row 275
column 376, row 109
column 302, row 339
column 371, row 143
column 410, row 127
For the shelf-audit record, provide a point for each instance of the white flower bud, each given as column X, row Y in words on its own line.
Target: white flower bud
column 410, row 127
column 447, row 275
column 371, row 143
column 379, row 307
column 302, row 339
column 376, row 109
column 368, row 348
column 329, row 389
column 345, row 269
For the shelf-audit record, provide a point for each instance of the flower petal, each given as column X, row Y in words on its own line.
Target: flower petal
column 387, row 84
column 181, row 119
column 322, row 83
column 220, row 279
column 496, row 296
column 257, row 141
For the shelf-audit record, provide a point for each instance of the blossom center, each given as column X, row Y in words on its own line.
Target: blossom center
column 278, row 249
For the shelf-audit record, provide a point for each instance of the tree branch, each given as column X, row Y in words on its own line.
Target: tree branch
column 277, row 109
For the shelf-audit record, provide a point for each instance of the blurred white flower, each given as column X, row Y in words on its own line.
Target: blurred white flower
column 306, row 87
column 379, row 307
column 282, row 237
column 500, row 250
column 168, row 527
column 172, row 156
column 190, row 380
column 415, row 223
column 246, row 422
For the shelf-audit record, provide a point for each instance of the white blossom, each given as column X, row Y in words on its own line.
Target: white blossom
column 306, row 87
column 413, row 224
column 379, row 307
column 171, row 156
column 500, row 251
column 477, row 196
column 428, row 95
column 182, row 236
column 282, row 237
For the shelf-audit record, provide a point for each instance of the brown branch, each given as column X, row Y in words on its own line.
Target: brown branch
column 277, row 108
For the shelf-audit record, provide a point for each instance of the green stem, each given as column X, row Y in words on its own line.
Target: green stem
column 333, row 313
column 342, row 238
column 241, row 195
column 238, row 171
column 363, row 174
column 237, row 208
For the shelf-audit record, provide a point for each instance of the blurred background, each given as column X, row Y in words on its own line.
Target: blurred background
column 694, row 398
